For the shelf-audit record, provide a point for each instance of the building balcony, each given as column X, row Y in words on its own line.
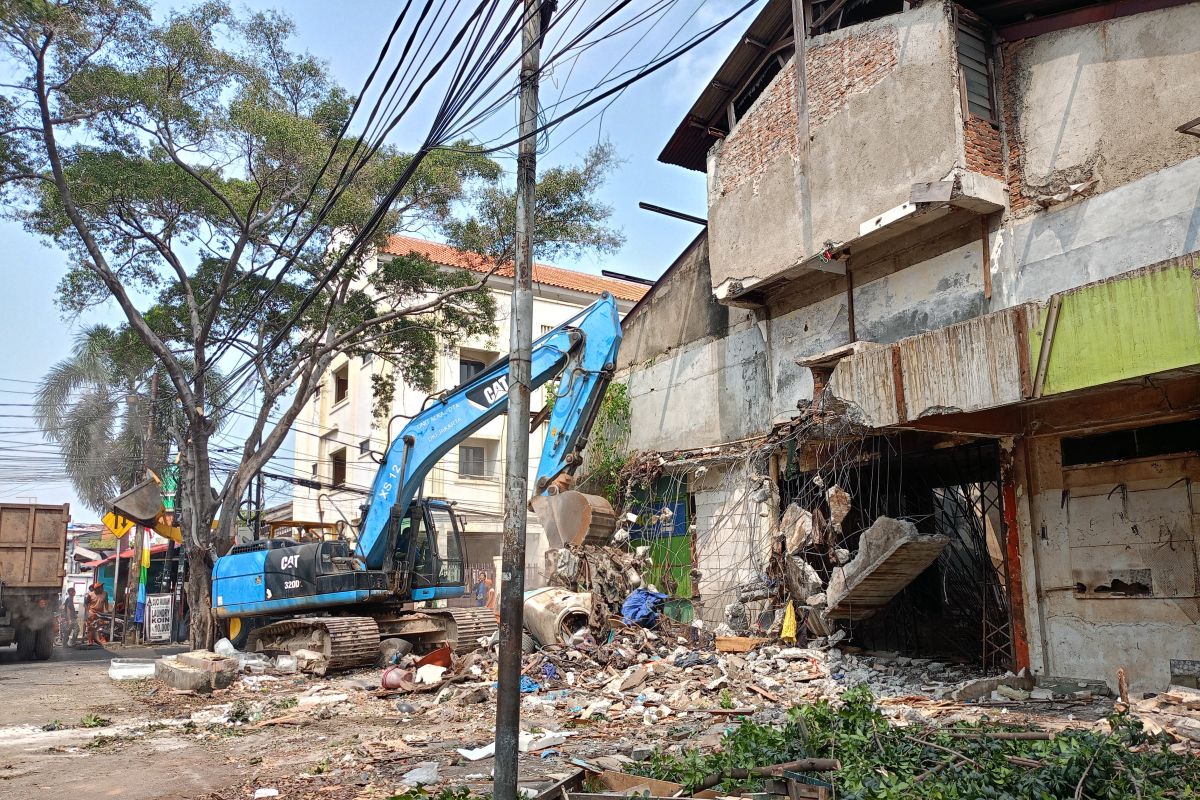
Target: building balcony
column 892, row 126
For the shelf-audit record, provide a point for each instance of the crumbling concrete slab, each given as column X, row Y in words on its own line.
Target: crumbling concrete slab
column 207, row 661
column 177, row 675
column 984, row 687
column 891, row 554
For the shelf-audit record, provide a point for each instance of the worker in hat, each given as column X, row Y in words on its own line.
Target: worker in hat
column 95, row 604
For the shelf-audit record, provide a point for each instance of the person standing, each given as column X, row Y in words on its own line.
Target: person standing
column 481, row 589
column 68, row 619
column 96, row 604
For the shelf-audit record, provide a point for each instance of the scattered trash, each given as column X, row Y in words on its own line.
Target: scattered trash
column 642, row 607
column 261, row 793
column 479, row 753
column 285, row 663
column 425, row 774
column 430, row 674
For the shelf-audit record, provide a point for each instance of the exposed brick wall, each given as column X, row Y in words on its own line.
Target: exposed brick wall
column 984, row 154
column 767, row 131
column 845, row 65
column 1019, row 203
column 849, row 64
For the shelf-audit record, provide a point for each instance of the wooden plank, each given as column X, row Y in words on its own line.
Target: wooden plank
column 622, row 782
column 738, row 644
column 898, row 385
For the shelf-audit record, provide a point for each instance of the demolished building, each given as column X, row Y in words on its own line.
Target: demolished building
column 950, row 276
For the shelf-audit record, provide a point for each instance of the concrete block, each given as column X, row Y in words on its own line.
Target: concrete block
column 179, row 676
column 207, row 661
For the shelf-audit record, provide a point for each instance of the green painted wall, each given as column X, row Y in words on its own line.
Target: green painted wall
column 1123, row 328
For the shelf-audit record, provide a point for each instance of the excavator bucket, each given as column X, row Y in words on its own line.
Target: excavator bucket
column 142, row 503
column 573, row 518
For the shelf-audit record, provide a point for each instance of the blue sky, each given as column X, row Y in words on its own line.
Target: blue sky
column 347, row 36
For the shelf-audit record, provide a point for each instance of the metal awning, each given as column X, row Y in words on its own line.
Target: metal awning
column 688, row 146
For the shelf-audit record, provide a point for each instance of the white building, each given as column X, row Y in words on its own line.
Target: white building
column 338, row 439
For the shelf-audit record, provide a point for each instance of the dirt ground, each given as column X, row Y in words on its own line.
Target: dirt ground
column 68, row 730
column 292, row 734
column 119, row 760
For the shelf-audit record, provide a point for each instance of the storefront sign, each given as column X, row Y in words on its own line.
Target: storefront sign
column 158, row 618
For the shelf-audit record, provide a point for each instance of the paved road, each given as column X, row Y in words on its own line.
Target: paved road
column 36, row 763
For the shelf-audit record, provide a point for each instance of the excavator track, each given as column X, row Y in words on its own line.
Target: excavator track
column 466, row 626
column 346, row 642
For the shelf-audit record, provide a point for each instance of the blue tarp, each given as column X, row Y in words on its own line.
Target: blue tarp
column 642, row 607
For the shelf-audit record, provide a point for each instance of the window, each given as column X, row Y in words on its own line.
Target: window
column 832, row 15
column 468, row 369
column 364, row 447
column 338, row 458
column 975, row 69
column 1155, row 440
column 368, row 358
column 314, row 469
column 341, row 383
column 546, row 329
column 472, row 461
column 753, row 89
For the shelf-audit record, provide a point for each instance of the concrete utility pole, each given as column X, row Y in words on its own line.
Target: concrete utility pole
column 516, row 467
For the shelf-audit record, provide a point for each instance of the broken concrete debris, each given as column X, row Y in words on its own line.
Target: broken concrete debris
column 891, row 554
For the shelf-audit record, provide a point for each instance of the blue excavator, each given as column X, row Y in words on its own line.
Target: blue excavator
column 340, row 596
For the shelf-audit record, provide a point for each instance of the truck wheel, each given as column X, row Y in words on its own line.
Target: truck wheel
column 26, row 643
column 43, row 646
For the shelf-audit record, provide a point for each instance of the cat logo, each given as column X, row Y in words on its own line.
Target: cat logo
column 289, row 562
column 490, row 394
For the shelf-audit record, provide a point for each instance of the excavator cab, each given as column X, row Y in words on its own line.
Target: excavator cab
column 429, row 552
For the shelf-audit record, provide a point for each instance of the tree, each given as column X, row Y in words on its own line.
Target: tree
column 199, row 160
column 112, row 411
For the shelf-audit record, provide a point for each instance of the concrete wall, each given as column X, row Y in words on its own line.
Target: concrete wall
column 731, row 537
column 679, row 310
column 1102, row 102
column 1093, row 536
column 1150, row 219
column 883, row 113
column 694, row 382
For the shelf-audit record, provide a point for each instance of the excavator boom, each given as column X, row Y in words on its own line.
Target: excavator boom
column 407, row 549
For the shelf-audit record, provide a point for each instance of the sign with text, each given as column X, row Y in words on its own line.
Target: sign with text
column 158, row 618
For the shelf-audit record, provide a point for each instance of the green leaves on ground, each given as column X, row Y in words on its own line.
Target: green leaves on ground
column 880, row 761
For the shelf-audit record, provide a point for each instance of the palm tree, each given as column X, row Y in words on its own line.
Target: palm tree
column 98, row 406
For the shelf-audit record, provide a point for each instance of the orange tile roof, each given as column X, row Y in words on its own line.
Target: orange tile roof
column 542, row 273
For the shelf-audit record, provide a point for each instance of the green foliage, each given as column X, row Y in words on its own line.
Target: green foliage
column 240, row 712
column 94, row 721
column 883, row 762
column 607, row 451
column 449, row 793
column 285, row 703
column 569, row 221
column 97, row 406
column 726, row 699
column 176, row 157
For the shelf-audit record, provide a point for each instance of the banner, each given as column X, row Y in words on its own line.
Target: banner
column 158, row 618
column 139, row 614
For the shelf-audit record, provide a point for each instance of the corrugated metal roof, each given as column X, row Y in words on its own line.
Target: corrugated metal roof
column 542, row 273
column 689, row 145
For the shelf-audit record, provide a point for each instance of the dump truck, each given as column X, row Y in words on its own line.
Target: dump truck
column 33, row 539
